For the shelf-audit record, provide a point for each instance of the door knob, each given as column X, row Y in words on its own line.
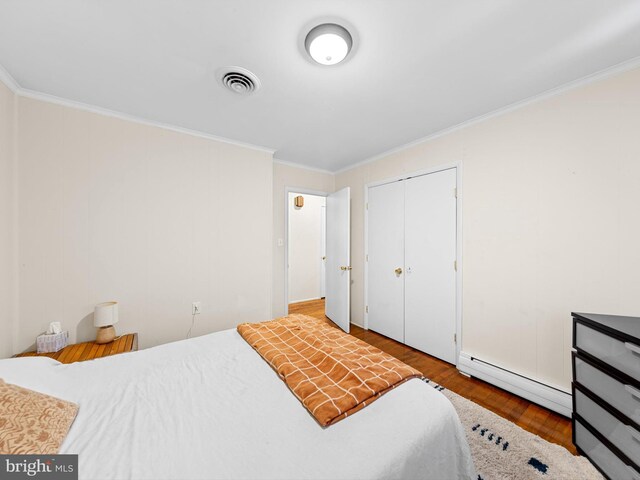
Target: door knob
column 345, row 268
column 398, row 271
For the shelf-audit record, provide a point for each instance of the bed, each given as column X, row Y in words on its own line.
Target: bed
column 211, row 407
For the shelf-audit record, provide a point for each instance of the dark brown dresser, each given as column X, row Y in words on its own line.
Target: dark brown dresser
column 606, row 392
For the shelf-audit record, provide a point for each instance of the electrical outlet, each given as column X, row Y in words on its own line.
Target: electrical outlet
column 195, row 308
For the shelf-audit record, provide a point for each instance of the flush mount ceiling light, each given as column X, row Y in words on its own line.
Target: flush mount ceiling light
column 328, row 43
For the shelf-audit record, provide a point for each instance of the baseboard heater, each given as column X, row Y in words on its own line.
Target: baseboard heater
column 545, row 395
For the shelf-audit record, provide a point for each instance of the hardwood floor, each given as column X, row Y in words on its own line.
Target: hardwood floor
column 538, row 420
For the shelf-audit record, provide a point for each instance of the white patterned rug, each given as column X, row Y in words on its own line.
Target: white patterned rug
column 503, row 451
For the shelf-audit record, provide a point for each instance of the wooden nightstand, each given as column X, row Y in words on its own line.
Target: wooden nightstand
column 79, row 352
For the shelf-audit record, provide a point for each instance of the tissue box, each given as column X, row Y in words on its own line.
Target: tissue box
column 52, row 343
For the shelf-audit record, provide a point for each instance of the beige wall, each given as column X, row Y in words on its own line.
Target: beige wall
column 287, row 176
column 115, row 210
column 110, row 209
column 551, row 221
column 305, row 247
column 7, row 219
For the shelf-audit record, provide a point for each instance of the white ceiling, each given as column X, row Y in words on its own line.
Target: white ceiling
column 418, row 66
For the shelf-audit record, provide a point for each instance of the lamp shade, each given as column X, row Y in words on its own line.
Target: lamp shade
column 105, row 314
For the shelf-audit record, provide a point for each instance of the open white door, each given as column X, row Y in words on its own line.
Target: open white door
column 338, row 266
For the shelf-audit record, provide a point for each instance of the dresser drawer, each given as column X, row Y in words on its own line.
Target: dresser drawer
column 599, row 454
column 623, row 397
column 625, row 356
column 625, row 437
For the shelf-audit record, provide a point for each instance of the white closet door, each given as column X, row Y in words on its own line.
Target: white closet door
column 430, row 253
column 385, row 286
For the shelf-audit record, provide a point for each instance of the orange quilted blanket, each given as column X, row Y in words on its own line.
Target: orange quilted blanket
column 332, row 373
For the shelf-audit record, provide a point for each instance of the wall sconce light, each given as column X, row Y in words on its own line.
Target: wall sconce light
column 298, row 201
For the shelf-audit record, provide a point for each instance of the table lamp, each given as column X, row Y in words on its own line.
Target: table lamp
column 105, row 316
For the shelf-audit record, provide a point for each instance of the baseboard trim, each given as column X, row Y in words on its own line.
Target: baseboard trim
column 549, row 397
column 305, row 300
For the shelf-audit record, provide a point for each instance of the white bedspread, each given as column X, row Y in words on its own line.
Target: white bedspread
column 210, row 407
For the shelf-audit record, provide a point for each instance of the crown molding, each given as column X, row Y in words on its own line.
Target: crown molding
column 303, row 167
column 9, row 81
column 592, row 78
column 45, row 97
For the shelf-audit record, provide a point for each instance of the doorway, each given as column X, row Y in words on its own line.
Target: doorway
column 318, row 251
column 306, row 249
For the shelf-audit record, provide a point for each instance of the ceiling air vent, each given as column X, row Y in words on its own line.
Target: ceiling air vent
column 239, row 80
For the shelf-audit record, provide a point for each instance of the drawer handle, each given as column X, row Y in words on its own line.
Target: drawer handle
column 634, row 433
column 633, row 347
column 634, row 473
column 633, row 391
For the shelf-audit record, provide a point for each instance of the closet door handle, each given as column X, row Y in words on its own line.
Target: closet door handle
column 398, row 271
